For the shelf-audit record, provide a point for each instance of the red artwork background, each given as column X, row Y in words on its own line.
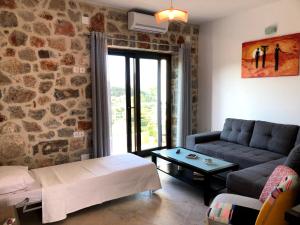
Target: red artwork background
column 287, row 49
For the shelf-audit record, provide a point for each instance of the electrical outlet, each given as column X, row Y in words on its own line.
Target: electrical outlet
column 81, row 70
column 85, row 20
column 85, row 157
column 76, row 69
column 78, row 134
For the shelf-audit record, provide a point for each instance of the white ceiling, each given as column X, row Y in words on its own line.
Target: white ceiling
column 199, row 10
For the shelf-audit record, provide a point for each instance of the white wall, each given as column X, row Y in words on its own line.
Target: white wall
column 222, row 91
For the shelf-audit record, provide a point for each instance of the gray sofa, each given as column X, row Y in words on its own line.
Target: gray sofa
column 257, row 146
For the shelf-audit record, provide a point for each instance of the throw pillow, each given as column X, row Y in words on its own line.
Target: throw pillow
column 279, row 174
column 14, row 178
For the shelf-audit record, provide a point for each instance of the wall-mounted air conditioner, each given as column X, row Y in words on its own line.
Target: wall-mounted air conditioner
column 145, row 23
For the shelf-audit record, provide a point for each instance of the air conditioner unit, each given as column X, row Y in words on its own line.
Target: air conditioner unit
column 145, row 23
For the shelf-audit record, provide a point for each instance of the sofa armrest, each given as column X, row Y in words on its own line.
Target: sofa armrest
column 230, row 209
column 194, row 139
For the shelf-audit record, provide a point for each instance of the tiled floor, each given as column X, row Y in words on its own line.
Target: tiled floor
column 175, row 204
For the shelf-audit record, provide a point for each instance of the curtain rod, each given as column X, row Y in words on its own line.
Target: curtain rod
column 136, row 41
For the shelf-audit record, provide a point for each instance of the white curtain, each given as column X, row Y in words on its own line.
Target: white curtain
column 184, row 100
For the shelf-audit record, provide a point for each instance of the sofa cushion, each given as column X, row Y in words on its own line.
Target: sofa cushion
column 277, row 138
column 293, row 159
column 235, row 153
column 237, row 131
column 251, row 181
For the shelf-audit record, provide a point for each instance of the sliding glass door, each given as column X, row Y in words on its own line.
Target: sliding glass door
column 117, row 79
column 139, row 84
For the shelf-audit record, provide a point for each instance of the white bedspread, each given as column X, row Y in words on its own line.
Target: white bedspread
column 70, row 187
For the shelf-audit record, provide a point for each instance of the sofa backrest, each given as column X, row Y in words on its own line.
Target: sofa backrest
column 293, row 159
column 274, row 137
column 298, row 138
column 237, row 131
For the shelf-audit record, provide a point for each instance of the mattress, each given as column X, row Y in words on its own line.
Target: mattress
column 70, row 187
column 33, row 193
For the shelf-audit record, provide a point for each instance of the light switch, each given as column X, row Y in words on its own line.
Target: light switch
column 76, row 69
column 82, row 70
column 85, row 20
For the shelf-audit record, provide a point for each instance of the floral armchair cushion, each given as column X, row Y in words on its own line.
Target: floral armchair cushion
column 279, row 175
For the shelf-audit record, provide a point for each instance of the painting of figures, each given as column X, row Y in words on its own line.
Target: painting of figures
column 272, row 57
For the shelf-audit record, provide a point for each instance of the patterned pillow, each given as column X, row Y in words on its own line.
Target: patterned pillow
column 279, row 175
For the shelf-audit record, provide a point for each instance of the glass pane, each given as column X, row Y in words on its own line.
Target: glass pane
column 116, row 75
column 148, row 95
column 200, row 162
column 163, row 78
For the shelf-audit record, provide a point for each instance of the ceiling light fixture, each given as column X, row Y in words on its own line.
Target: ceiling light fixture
column 171, row 14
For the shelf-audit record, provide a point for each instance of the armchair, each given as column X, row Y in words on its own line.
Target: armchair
column 278, row 195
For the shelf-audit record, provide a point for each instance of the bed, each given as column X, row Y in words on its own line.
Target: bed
column 67, row 188
column 23, row 198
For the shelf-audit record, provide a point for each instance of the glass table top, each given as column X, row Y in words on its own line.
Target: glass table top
column 215, row 164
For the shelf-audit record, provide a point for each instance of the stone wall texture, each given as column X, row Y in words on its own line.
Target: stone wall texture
column 42, row 102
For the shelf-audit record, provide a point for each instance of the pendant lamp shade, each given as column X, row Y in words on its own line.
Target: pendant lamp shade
column 171, row 14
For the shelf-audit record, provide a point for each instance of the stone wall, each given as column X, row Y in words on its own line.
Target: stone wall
column 42, row 102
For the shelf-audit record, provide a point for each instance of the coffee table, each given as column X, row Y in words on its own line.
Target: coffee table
column 184, row 169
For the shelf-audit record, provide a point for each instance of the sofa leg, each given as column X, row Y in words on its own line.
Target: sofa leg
column 207, row 191
column 206, row 199
column 150, row 193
